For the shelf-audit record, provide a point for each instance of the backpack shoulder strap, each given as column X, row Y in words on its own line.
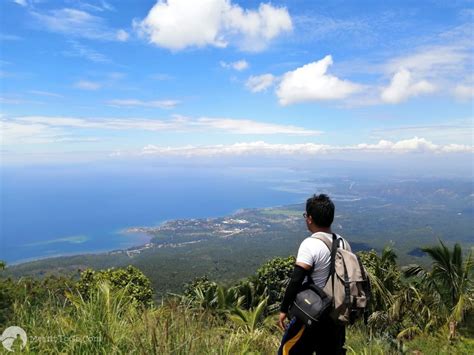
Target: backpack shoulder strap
column 327, row 242
column 332, row 246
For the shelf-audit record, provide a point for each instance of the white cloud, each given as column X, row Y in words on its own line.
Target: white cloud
column 103, row 6
column 24, row 133
column 178, row 24
column 19, row 133
column 166, row 104
column 87, row 85
column 45, row 93
column 414, row 145
column 78, row 23
column 404, row 146
column 238, row 65
column 250, row 148
column 10, row 101
column 257, row 27
column 464, row 92
column 457, row 148
column 16, row 101
column 260, row 82
column 122, row 35
column 79, row 50
column 459, row 131
column 21, row 2
column 436, row 68
column 433, row 61
column 98, row 123
column 107, row 6
column 311, row 83
column 177, row 123
column 252, row 127
column 402, row 87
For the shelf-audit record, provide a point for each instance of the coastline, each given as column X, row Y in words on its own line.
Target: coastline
column 143, row 231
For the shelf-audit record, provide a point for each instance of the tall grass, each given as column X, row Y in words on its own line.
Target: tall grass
column 107, row 322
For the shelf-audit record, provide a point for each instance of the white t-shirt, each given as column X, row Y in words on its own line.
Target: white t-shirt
column 313, row 251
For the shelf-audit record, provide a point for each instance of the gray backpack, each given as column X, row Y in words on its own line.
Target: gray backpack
column 347, row 283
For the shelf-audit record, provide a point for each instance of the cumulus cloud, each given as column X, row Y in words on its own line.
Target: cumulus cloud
column 87, row 85
column 250, row 148
column 78, row 23
column 312, row 83
column 402, row 87
column 414, row 145
column 178, row 24
column 454, row 130
column 165, row 104
column 408, row 145
column 260, row 82
column 429, row 69
column 238, row 65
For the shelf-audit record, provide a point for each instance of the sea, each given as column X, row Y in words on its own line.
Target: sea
column 62, row 210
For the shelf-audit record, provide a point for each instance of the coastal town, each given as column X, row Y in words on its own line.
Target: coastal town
column 184, row 232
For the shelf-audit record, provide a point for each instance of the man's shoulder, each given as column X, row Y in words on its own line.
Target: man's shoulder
column 326, row 238
column 314, row 243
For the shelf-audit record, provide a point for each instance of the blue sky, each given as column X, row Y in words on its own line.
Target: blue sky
column 118, row 80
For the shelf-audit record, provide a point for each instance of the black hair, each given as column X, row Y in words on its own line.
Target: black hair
column 321, row 209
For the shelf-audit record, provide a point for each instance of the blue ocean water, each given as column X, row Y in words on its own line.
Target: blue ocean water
column 51, row 211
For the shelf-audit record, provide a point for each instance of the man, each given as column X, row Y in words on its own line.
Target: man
column 325, row 337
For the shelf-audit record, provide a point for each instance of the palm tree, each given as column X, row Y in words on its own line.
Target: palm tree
column 384, row 276
column 248, row 320
column 450, row 277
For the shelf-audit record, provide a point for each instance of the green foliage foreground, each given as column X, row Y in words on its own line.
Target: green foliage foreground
column 111, row 311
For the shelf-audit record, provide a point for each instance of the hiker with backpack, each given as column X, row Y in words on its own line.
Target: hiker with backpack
column 328, row 289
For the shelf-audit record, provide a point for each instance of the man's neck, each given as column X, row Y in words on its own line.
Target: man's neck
column 316, row 229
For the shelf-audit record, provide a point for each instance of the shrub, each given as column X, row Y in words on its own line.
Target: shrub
column 138, row 286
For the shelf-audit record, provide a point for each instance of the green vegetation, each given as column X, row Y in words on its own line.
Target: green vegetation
column 130, row 280
column 280, row 212
column 111, row 311
column 405, row 214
